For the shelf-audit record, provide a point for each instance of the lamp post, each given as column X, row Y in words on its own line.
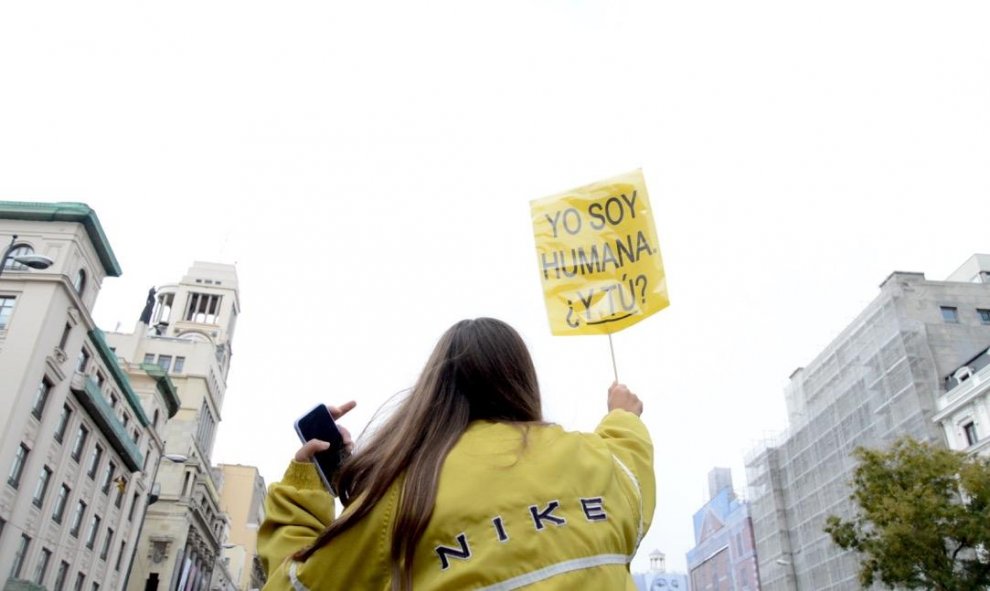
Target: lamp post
column 152, row 499
column 35, row 261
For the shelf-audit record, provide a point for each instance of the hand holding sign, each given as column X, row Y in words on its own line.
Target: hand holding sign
column 599, row 256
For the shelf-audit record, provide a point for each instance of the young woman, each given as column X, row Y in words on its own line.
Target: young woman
column 465, row 487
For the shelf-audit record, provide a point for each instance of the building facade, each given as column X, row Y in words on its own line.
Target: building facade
column 724, row 555
column 963, row 408
column 242, row 498
column 184, row 333
column 880, row 379
column 75, row 441
column 658, row 579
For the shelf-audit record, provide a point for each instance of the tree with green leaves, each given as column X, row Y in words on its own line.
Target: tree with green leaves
column 923, row 520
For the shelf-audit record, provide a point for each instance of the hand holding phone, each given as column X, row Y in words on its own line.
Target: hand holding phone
column 319, row 424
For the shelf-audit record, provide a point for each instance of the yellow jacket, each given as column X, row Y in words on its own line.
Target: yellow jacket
column 563, row 510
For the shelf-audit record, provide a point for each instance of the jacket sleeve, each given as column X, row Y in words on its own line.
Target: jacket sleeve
column 626, row 437
column 297, row 510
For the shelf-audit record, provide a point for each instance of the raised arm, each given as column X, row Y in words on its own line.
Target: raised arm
column 629, row 441
column 299, row 508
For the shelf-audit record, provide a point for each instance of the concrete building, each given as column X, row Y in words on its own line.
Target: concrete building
column 723, row 557
column 184, row 333
column 878, row 380
column 658, row 579
column 964, row 405
column 75, row 441
column 242, row 498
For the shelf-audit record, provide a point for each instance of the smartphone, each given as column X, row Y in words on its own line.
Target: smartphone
column 318, row 424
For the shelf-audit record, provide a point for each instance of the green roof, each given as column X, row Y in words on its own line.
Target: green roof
column 66, row 212
column 165, row 387
column 110, row 360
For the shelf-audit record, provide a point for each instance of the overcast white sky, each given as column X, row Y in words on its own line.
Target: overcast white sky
column 369, row 166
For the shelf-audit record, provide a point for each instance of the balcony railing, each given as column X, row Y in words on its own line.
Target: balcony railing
column 89, row 395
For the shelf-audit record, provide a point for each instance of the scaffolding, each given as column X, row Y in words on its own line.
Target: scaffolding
column 874, row 383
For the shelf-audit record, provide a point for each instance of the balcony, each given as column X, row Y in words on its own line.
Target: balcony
column 165, row 387
column 90, row 397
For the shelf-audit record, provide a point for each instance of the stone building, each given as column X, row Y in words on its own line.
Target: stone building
column 724, row 556
column 881, row 378
column 184, row 334
column 76, row 444
column 242, row 498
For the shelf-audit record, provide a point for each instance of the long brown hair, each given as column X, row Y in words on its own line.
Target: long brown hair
column 479, row 370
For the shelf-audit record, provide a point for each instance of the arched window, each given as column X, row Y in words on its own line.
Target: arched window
column 18, row 251
column 80, row 281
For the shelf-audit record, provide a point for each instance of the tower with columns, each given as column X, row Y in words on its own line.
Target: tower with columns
column 184, row 336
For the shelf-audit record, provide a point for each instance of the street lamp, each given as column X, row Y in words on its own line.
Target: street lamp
column 34, row 261
column 152, row 499
column 155, row 487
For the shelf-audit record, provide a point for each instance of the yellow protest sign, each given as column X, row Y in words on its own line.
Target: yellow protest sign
column 599, row 256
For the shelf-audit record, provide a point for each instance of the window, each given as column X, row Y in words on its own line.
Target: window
column 207, row 425
column 149, row 357
column 19, row 556
column 94, row 460
column 157, row 415
column 105, row 550
column 100, row 380
column 42, row 567
column 6, row 310
column 180, row 362
column 79, row 283
column 114, row 401
column 165, row 362
column 134, row 504
column 120, row 555
column 41, row 489
column 121, row 486
column 41, row 397
column 14, row 478
column 83, row 361
column 984, row 315
column 108, row 476
column 949, row 313
column 95, row 587
column 77, row 447
column 77, row 519
column 203, row 308
column 970, row 430
column 94, row 528
column 63, row 571
column 60, row 502
column 80, row 578
column 63, row 423
column 65, row 337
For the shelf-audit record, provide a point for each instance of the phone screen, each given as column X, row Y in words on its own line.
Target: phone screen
column 318, row 424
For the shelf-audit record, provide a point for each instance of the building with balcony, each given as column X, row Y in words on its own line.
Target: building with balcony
column 964, row 408
column 242, row 497
column 723, row 557
column 75, row 441
column 880, row 379
column 183, row 339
